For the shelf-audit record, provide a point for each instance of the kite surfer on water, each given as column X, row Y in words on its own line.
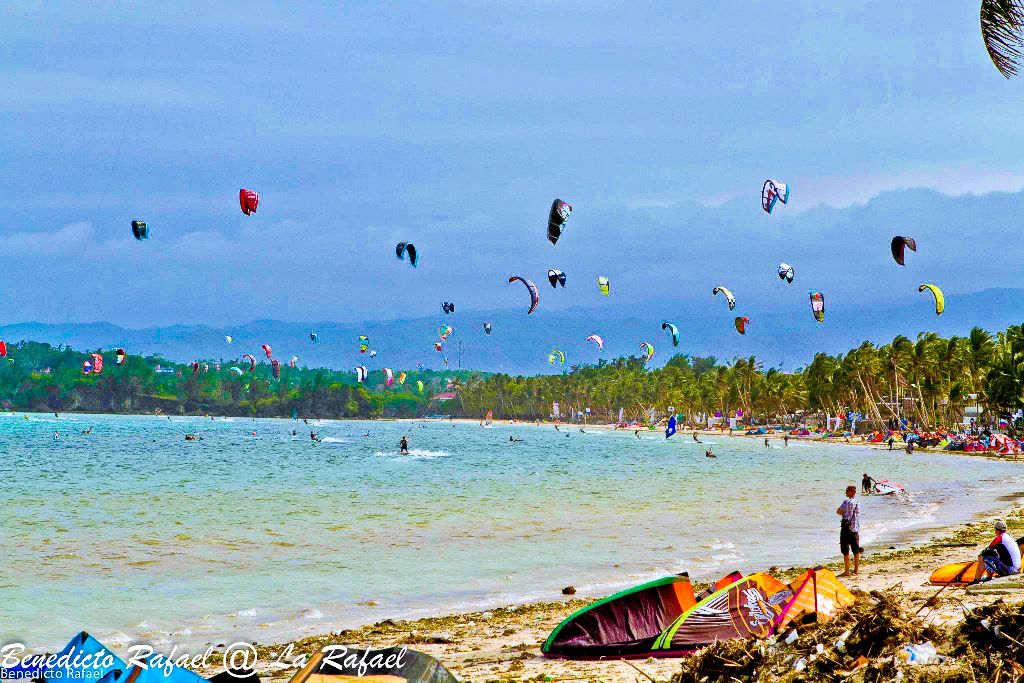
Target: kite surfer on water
column 403, row 446
column 695, row 438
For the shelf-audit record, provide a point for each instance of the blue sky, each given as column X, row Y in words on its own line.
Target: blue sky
column 454, row 125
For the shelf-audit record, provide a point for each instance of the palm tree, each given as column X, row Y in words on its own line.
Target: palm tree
column 1002, row 24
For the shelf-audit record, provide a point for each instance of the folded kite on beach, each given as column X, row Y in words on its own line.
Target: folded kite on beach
column 664, row 618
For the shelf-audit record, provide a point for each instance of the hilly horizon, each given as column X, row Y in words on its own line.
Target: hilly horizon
column 786, row 338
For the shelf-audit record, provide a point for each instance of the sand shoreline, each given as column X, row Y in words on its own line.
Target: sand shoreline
column 503, row 643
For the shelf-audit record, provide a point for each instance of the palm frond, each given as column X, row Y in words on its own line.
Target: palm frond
column 1002, row 29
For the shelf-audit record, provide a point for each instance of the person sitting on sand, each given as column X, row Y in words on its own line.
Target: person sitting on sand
column 849, row 531
column 1002, row 556
column 867, row 484
column 403, row 446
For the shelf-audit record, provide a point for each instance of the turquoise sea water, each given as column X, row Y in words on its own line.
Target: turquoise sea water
column 132, row 533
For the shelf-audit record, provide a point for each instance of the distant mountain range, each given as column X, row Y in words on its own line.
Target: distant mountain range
column 520, row 344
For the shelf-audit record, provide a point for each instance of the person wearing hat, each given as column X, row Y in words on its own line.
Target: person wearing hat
column 1002, row 556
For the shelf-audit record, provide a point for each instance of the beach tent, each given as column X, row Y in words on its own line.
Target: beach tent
column 625, row 623
column 816, row 595
column 388, row 665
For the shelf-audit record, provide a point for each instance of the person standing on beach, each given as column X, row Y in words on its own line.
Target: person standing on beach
column 849, row 531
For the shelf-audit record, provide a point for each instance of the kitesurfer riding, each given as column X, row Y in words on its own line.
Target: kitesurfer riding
column 403, row 446
column 695, row 438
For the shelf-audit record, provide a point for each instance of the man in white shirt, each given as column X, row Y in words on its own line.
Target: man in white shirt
column 1002, row 556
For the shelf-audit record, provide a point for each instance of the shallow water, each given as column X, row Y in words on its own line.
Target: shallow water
column 132, row 533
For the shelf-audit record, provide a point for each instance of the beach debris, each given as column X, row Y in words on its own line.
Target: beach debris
column 569, row 590
column 919, row 654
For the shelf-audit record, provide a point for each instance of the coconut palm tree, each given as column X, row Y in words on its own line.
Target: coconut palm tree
column 1002, row 28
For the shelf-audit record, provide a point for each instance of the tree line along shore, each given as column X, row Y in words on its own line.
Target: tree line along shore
column 929, row 382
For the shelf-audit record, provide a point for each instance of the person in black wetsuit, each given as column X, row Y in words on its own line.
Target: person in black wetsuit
column 403, row 446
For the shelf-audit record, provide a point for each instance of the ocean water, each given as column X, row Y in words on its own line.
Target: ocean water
column 134, row 534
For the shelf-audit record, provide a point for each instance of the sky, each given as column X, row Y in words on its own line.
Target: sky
column 453, row 125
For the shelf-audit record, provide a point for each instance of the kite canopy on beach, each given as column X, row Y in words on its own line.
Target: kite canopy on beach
column 664, row 618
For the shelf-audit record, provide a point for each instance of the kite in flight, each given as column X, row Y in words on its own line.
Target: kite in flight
column 531, row 288
column 557, row 217
column 940, row 300
column 403, row 248
column 672, row 330
column 140, row 230
column 556, row 277
column 817, row 305
column 248, row 200
column 899, row 247
column 771, row 192
column 786, row 272
column 728, row 295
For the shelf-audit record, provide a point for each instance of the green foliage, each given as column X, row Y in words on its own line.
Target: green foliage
column 930, row 380
column 40, row 377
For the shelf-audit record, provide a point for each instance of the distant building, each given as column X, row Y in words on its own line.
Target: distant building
column 444, row 396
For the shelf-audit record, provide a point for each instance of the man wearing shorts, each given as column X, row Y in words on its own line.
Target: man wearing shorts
column 849, row 530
